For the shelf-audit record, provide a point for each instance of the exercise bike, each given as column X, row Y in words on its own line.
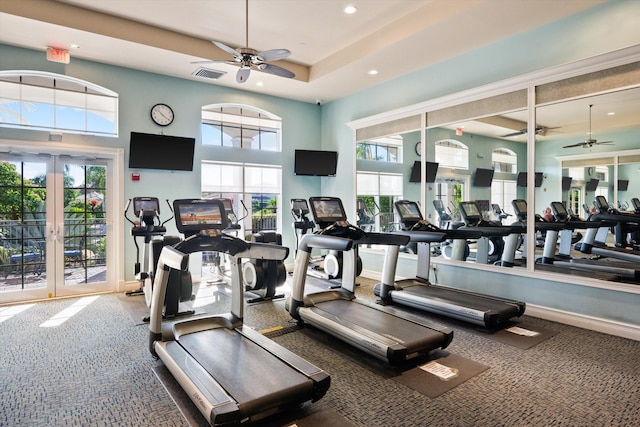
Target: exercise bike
column 150, row 227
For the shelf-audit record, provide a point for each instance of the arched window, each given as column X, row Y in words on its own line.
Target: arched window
column 452, row 154
column 504, row 160
column 240, row 126
column 46, row 101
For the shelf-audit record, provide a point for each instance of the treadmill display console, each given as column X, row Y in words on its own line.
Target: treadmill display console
column 199, row 214
column 408, row 211
column 327, row 209
column 145, row 204
column 470, row 209
column 520, row 206
column 299, row 205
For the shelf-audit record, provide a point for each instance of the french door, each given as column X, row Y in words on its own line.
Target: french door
column 54, row 226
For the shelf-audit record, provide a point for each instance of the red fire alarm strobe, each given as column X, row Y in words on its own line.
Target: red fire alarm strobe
column 135, row 177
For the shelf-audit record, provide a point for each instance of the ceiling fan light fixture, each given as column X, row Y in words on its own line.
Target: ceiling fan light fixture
column 350, row 10
column 245, row 57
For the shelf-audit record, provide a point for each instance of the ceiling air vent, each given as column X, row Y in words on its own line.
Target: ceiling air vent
column 208, row 73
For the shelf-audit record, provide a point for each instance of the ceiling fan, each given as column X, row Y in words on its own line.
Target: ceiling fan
column 247, row 58
column 589, row 142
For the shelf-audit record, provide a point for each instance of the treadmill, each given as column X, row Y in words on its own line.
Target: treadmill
column 379, row 331
column 624, row 222
column 479, row 309
column 548, row 262
column 232, row 373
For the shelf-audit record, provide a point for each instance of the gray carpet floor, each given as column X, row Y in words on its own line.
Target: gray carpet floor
column 94, row 369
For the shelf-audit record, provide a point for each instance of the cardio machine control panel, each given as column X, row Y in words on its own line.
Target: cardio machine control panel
column 147, row 212
column 411, row 218
column 330, row 215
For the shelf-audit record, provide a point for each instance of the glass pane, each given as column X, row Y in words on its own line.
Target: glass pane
column 85, row 228
column 37, row 115
column 22, row 225
column 268, row 140
column 211, row 134
column 70, row 118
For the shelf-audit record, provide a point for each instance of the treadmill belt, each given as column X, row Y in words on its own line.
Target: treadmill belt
column 413, row 336
column 252, row 375
column 463, row 299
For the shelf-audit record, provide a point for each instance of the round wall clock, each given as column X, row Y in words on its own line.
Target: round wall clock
column 162, row 114
column 418, row 148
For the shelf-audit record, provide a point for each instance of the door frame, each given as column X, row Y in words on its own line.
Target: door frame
column 115, row 188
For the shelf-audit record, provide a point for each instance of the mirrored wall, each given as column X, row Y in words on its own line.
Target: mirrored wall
column 577, row 138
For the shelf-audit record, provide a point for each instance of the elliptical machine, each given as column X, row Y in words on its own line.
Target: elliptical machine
column 263, row 276
column 233, row 227
column 150, row 227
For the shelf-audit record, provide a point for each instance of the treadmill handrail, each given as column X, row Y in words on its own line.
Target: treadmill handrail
column 322, row 241
column 418, row 236
column 395, row 239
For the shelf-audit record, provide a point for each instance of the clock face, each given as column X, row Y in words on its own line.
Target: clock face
column 418, row 148
column 162, row 114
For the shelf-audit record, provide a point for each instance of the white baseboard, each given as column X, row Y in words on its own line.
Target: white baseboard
column 606, row 326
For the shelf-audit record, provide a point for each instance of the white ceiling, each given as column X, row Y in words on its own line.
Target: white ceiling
column 331, row 51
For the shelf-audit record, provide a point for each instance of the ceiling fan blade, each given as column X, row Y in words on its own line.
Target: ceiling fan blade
column 273, row 55
column 579, row 144
column 603, row 142
column 278, row 71
column 228, row 49
column 243, row 74
column 509, row 135
column 215, row 61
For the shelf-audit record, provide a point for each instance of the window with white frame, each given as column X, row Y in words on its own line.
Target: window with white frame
column 387, row 149
column 503, row 192
column 240, row 126
column 254, row 191
column 47, row 101
column 379, row 192
column 504, row 160
column 452, row 154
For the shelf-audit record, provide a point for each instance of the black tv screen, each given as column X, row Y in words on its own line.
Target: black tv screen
column 592, row 184
column 483, row 177
column 151, row 151
column 315, row 162
column 566, row 183
column 522, row 179
column 416, row 175
column 623, row 184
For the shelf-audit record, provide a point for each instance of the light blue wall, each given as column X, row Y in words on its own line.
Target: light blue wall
column 139, row 90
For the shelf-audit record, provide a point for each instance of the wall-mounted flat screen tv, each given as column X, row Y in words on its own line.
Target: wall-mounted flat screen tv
column 566, row 183
column 416, row 175
column 522, row 179
column 483, row 177
column 623, row 184
column 592, row 184
column 315, row 162
column 151, row 151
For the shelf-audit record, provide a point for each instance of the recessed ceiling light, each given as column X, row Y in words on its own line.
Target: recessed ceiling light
column 349, row 10
column 612, row 113
column 74, row 46
column 259, row 84
column 372, row 72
